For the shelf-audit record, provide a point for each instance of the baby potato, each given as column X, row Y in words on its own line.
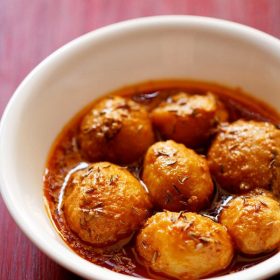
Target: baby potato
column 104, row 203
column 177, row 177
column 188, row 119
column 117, row 130
column 184, row 245
column 246, row 155
column 253, row 223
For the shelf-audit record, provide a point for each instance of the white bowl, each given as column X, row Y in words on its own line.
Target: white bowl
column 107, row 59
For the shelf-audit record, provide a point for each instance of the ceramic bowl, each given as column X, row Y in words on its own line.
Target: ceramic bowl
column 179, row 47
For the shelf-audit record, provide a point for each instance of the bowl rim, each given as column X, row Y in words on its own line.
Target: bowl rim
column 265, row 269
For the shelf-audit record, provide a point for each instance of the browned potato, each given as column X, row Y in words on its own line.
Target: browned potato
column 104, row 203
column 188, row 119
column 184, row 245
column 253, row 222
column 116, row 129
column 245, row 155
column 177, row 177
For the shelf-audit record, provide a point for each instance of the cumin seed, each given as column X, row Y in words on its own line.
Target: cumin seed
column 155, row 256
column 171, row 162
column 182, row 180
column 176, row 189
column 205, row 239
column 263, row 203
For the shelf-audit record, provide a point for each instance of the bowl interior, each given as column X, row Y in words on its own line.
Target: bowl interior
column 105, row 60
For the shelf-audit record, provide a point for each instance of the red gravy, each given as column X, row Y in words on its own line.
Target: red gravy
column 65, row 158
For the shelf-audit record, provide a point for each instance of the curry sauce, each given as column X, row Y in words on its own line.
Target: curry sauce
column 65, row 158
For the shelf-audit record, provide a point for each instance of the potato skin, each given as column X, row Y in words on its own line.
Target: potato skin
column 117, row 130
column 177, row 177
column 184, row 245
column 253, row 223
column 104, row 203
column 188, row 119
column 246, row 155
